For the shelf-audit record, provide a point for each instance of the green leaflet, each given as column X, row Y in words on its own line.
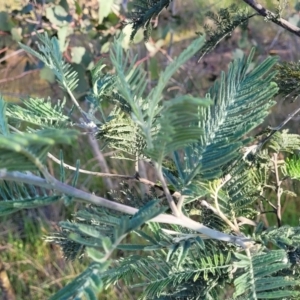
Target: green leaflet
column 3, row 121
column 260, row 278
column 87, row 283
column 39, row 112
column 51, row 55
column 154, row 127
column 26, row 151
column 241, row 101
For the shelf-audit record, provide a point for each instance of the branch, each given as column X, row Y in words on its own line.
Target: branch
column 82, row 196
column 273, row 17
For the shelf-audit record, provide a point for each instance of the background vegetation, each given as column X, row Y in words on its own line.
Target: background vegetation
column 85, row 30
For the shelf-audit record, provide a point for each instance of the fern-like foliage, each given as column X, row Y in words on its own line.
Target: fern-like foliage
column 103, row 90
column 217, row 134
column 241, row 101
column 85, row 286
column 50, row 54
column 144, row 11
column 195, row 278
column 120, row 133
column 197, row 142
column 91, row 226
column 259, row 279
column 283, row 142
column 226, row 20
column 237, row 195
column 25, row 152
column 287, row 78
column 39, row 112
column 285, row 237
column 16, row 196
column 100, row 235
column 292, row 167
column 177, row 126
column 150, row 125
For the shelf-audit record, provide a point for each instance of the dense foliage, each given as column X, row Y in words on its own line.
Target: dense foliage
column 199, row 225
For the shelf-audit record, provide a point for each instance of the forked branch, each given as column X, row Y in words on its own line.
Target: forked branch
column 99, row 201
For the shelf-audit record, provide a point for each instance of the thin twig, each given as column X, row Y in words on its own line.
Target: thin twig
column 278, row 189
column 176, row 212
column 275, row 39
column 289, row 117
column 101, row 160
column 3, row 50
column 256, row 148
column 272, row 205
column 262, row 215
column 84, row 116
column 108, row 175
column 136, row 178
column 267, row 212
column 180, row 236
column 273, row 17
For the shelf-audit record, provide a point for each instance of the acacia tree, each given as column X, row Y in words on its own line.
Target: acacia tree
column 198, row 223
